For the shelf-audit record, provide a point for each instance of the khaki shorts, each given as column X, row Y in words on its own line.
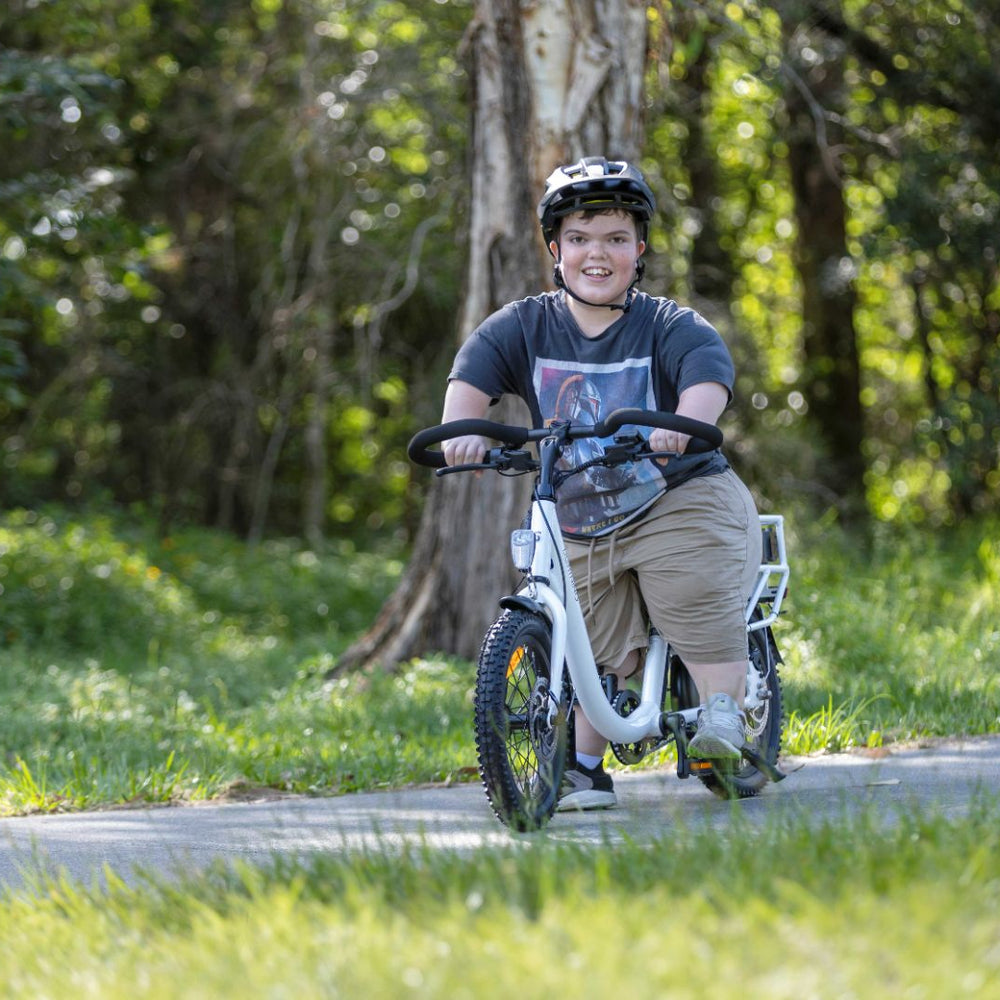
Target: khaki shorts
column 692, row 561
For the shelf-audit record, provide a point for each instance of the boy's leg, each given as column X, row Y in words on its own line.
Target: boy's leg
column 588, row 740
column 728, row 678
column 617, row 630
column 697, row 556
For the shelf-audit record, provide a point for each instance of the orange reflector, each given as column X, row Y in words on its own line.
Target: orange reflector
column 515, row 660
column 701, row 765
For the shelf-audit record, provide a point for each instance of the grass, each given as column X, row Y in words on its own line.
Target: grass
column 798, row 909
column 161, row 670
column 894, row 638
column 138, row 669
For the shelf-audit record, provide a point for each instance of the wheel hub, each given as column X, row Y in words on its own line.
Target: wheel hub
column 540, row 728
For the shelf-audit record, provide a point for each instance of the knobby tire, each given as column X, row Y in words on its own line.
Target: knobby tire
column 521, row 751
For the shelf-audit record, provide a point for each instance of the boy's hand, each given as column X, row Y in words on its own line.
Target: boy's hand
column 468, row 450
column 664, row 440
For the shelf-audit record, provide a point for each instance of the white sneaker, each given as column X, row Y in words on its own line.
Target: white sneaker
column 722, row 730
column 586, row 788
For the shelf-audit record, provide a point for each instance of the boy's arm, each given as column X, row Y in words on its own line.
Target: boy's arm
column 463, row 401
column 704, row 401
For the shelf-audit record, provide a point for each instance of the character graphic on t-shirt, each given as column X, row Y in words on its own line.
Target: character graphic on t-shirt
column 600, row 497
column 579, row 401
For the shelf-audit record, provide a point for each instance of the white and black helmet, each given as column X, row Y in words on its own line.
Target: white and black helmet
column 595, row 182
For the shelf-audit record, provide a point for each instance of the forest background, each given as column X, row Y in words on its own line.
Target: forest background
column 232, row 243
column 233, row 251
column 231, row 248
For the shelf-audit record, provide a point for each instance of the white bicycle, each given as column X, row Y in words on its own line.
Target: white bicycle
column 536, row 662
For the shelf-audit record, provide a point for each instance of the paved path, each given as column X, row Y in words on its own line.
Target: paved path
column 945, row 777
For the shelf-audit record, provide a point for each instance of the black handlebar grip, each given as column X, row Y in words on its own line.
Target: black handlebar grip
column 418, row 452
column 704, row 437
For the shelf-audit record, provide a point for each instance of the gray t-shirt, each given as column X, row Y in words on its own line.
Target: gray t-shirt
column 534, row 349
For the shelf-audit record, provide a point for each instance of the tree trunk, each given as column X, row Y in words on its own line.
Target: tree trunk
column 832, row 368
column 712, row 271
column 315, row 490
column 550, row 82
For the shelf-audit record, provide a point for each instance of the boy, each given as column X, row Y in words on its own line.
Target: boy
column 677, row 539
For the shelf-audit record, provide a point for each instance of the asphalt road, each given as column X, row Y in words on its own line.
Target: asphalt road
column 945, row 777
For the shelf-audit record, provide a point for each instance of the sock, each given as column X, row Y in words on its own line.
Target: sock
column 588, row 760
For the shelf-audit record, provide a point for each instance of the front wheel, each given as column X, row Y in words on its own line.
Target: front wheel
column 521, row 731
column 764, row 715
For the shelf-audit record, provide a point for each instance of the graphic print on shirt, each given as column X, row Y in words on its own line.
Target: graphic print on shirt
column 599, row 499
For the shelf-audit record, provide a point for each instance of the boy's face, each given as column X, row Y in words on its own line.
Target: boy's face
column 598, row 253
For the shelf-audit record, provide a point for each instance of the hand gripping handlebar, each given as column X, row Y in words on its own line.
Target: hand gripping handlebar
column 705, row 437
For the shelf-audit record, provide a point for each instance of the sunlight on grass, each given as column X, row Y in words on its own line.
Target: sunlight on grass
column 905, row 626
column 144, row 669
column 831, row 729
column 803, row 909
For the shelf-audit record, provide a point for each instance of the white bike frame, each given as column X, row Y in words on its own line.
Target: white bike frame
column 550, row 586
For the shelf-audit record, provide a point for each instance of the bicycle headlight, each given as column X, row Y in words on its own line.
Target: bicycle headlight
column 522, row 548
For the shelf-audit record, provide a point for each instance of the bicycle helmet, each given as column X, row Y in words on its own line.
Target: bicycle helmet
column 595, row 182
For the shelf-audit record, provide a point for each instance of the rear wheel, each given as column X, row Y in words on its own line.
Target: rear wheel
column 764, row 714
column 521, row 742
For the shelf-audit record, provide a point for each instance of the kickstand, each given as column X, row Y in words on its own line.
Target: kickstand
column 766, row 768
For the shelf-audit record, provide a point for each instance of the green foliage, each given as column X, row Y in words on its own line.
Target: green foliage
column 162, row 669
column 138, row 667
column 12, row 368
column 74, row 585
column 201, row 234
column 914, row 142
column 818, row 915
column 225, row 230
column 900, row 629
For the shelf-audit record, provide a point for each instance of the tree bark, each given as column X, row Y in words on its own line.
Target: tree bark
column 832, row 367
column 712, row 271
column 551, row 81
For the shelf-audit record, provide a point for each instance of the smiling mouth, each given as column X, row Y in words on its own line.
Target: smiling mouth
column 597, row 272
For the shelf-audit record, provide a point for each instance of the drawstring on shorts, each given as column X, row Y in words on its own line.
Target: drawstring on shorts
column 612, row 578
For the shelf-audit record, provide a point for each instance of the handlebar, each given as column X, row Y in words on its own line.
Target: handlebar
column 705, row 437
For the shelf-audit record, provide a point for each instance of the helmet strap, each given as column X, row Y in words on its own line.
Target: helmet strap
column 560, row 282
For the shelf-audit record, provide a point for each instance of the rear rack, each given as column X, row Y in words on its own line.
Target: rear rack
column 772, row 578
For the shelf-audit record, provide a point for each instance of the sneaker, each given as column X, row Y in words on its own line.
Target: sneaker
column 583, row 788
column 721, row 732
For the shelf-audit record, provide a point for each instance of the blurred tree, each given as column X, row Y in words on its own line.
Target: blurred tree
column 867, row 372
column 229, row 268
column 814, row 100
column 920, row 132
column 203, row 208
column 552, row 81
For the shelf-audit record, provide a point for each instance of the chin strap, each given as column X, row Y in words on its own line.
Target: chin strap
column 557, row 277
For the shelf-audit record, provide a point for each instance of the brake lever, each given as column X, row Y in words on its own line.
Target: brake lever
column 447, row 470
column 632, row 452
column 496, row 458
column 518, row 461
